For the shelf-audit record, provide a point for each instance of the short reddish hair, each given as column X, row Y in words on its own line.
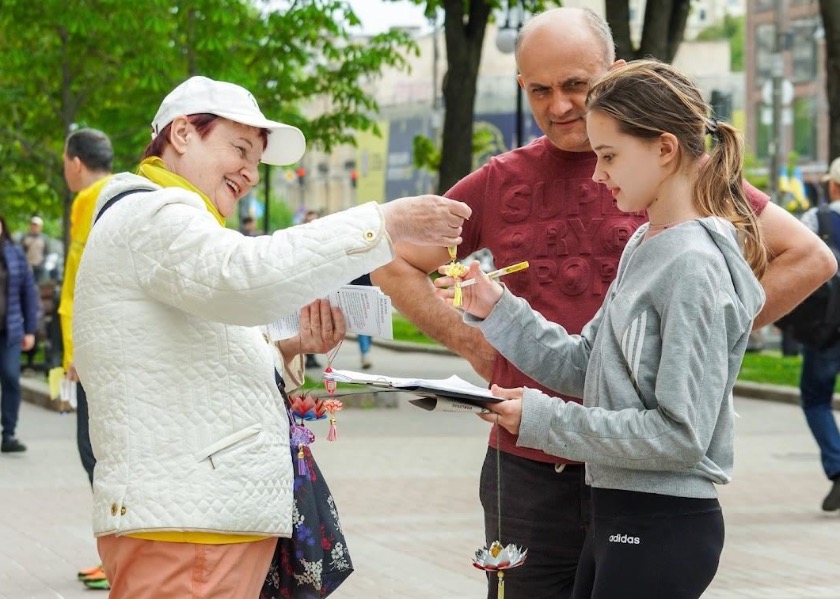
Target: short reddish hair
column 203, row 123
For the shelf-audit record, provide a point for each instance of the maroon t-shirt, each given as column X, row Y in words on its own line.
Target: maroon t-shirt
column 540, row 204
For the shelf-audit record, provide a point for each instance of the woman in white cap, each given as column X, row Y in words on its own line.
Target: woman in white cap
column 193, row 482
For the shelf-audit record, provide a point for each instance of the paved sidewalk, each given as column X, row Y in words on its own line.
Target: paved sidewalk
column 406, row 484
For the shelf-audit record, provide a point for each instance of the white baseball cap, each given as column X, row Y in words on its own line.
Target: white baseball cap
column 198, row 95
column 37, row 220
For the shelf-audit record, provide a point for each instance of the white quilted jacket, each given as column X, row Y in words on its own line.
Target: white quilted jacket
column 186, row 422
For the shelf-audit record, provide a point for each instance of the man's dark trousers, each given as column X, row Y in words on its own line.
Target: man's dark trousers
column 83, row 432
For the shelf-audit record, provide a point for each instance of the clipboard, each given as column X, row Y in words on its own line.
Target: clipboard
column 446, row 392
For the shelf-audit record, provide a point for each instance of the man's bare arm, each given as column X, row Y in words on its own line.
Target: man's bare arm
column 799, row 263
column 406, row 280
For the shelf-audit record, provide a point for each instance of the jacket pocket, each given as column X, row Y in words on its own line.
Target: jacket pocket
column 226, row 443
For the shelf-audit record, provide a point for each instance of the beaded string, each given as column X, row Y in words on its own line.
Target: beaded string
column 497, row 546
column 332, row 405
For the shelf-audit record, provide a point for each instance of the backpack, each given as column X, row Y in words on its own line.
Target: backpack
column 816, row 321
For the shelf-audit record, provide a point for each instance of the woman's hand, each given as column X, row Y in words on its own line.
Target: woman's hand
column 322, row 328
column 71, row 374
column 507, row 414
column 28, row 342
column 425, row 220
column 478, row 299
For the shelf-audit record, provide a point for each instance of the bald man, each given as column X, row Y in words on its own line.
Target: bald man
column 539, row 203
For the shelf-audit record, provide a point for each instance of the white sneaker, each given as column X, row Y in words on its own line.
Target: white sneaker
column 366, row 363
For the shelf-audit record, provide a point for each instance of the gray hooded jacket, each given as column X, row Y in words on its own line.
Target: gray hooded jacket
column 655, row 366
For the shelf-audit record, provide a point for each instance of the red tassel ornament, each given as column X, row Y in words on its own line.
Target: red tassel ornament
column 331, row 406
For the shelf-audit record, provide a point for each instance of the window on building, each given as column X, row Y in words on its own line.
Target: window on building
column 803, row 49
column 805, row 127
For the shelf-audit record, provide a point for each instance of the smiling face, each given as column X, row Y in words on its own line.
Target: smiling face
column 224, row 165
column 556, row 61
column 631, row 167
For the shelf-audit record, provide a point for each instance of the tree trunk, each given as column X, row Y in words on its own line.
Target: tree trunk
column 662, row 33
column 464, row 37
column 664, row 27
column 618, row 16
column 830, row 10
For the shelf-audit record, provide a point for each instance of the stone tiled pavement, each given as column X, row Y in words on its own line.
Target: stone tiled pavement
column 406, row 484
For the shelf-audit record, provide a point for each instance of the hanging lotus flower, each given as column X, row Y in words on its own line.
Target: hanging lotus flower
column 498, row 557
column 306, row 407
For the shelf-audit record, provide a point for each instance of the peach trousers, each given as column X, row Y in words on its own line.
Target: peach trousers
column 141, row 569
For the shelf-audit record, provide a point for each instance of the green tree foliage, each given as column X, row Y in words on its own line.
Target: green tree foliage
column 427, row 155
column 107, row 64
column 731, row 29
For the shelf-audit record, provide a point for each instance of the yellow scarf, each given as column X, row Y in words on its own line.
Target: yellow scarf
column 155, row 171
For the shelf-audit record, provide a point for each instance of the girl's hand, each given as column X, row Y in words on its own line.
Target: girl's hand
column 507, row 414
column 478, row 299
column 322, row 328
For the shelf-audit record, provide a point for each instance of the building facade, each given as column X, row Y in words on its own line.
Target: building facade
column 804, row 130
column 381, row 167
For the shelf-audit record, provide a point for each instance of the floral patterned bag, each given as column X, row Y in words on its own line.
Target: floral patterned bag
column 315, row 561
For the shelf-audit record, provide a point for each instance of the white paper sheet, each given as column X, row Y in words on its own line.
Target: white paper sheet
column 68, row 393
column 366, row 309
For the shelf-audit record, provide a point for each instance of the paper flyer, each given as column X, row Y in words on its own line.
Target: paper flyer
column 366, row 309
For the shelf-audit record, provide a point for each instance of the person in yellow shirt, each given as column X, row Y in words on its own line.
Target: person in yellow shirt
column 88, row 156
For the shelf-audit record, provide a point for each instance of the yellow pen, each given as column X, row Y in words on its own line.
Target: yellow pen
column 500, row 273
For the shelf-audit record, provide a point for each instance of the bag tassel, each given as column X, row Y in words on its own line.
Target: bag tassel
column 501, row 592
column 332, row 435
column 300, row 436
column 302, row 470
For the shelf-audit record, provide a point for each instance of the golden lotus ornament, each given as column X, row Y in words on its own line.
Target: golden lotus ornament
column 498, row 558
column 456, row 270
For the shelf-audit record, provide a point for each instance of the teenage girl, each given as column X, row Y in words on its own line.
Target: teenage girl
column 656, row 365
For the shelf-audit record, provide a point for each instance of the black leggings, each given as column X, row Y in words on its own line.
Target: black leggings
column 647, row 546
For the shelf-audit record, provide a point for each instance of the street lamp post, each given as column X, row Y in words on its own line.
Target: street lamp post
column 777, row 74
column 506, row 44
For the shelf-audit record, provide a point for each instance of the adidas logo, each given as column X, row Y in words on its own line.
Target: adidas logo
column 624, row 539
